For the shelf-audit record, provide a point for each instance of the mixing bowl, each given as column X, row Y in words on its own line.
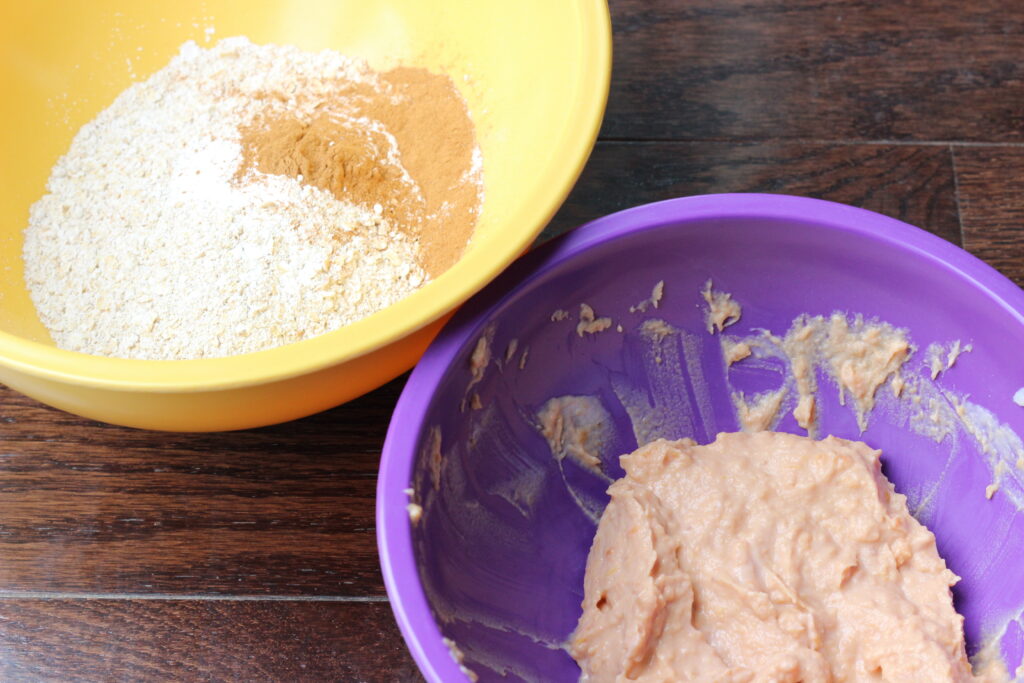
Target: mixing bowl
column 495, row 562
column 533, row 72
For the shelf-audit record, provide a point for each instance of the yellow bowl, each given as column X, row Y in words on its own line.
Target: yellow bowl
column 535, row 76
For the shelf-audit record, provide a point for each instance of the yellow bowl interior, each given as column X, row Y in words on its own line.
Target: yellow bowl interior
column 533, row 72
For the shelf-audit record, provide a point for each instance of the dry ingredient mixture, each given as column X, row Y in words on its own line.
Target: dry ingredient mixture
column 246, row 197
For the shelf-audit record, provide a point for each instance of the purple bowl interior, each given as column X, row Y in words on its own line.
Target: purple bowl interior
column 496, row 564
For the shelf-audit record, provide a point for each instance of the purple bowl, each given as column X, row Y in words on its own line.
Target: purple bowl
column 496, row 562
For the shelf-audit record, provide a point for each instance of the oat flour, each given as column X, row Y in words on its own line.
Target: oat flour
column 149, row 245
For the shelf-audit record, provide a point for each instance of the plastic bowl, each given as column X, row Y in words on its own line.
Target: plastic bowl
column 534, row 73
column 496, row 562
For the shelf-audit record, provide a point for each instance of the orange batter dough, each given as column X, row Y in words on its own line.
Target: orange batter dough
column 765, row 557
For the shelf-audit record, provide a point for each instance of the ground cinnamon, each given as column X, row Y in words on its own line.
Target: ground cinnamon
column 431, row 189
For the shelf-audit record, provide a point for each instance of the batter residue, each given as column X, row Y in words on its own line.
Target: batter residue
column 722, row 310
column 576, row 427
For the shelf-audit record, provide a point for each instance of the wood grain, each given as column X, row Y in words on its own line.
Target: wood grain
column 284, row 510
column 817, row 69
column 912, row 183
column 913, row 109
column 991, row 190
column 186, row 640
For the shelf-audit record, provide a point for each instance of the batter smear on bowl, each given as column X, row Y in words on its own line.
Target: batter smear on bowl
column 245, row 197
column 766, row 557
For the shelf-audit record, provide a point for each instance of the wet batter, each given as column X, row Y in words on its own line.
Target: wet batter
column 765, row 557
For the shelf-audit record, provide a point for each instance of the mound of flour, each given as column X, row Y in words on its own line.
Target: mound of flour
column 147, row 244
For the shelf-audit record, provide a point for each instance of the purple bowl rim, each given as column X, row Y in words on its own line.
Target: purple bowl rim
column 394, row 538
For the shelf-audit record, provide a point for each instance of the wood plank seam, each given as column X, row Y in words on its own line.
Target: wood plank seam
column 809, row 141
column 57, row 595
column 956, row 194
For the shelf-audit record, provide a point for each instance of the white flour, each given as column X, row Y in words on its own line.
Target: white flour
column 147, row 247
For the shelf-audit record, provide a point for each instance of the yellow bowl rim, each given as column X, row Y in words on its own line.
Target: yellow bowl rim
column 412, row 313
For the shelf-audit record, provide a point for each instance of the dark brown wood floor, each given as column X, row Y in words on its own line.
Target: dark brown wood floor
column 127, row 555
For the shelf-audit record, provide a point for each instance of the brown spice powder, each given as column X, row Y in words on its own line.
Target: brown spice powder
column 431, row 192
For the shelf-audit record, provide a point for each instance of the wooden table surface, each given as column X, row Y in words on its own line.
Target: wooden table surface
column 128, row 555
